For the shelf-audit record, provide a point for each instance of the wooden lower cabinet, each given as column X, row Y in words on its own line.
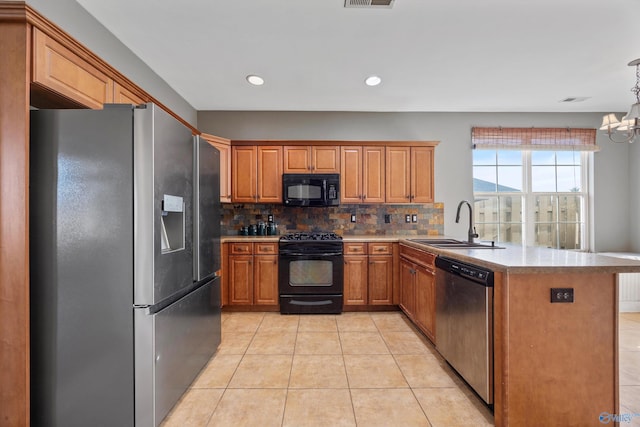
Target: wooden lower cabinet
column 355, row 279
column 417, row 289
column 425, row 304
column 265, row 280
column 252, row 274
column 407, row 288
column 380, row 279
column 240, row 279
column 368, row 274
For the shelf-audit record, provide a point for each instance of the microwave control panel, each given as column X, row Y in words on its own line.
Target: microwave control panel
column 332, row 192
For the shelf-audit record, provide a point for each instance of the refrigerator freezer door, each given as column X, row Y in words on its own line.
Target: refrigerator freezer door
column 81, row 268
column 207, row 210
column 163, row 180
column 171, row 347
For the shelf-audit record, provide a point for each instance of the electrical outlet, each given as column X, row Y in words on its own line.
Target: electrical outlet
column 270, row 218
column 353, row 217
column 561, row 294
column 387, row 219
column 407, row 218
column 414, row 218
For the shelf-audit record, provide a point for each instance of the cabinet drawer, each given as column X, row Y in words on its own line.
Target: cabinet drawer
column 355, row 248
column 266, row 248
column 380, row 248
column 241, row 248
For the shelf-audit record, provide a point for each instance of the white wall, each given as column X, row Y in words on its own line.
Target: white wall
column 453, row 172
column 634, row 195
column 76, row 21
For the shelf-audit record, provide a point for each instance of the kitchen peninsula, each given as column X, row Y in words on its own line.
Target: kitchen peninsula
column 554, row 363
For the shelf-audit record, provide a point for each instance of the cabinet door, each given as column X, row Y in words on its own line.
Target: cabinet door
column 407, row 287
column 398, row 174
column 425, row 306
column 269, row 174
column 240, row 279
column 297, row 159
column 351, row 175
column 122, row 95
column 422, row 175
column 380, row 279
column 325, row 159
column 373, row 174
column 59, row 69
column 243, row 169
column 265, row 280
column 355, row 280
column 224, row 147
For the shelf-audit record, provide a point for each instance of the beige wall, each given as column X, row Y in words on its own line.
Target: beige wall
column 611, row 216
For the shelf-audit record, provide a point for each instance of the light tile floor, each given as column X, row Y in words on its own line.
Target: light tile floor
column 366, row 369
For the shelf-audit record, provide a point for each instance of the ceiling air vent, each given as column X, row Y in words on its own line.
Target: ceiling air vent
column 388, row 4
column 575, row 99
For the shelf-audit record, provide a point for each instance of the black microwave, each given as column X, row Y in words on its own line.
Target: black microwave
column 302, row 189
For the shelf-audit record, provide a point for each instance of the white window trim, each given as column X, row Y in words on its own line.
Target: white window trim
column 528, row 205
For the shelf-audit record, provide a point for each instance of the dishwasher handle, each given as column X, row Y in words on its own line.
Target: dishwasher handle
column 471, row 272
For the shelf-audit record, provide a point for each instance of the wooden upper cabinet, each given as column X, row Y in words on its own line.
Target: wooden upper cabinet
column 422, row 174
column 58, row 68
column 325, row 159
column 373, row 174
column 297, row 160
column 311, row 159
column 269, row 174
column 122, row 95
column 244, row 165
column 256, row 174
column 362, row 175
column 398, row 186
column 351, row 175
column 409, row 175
column 224, row 147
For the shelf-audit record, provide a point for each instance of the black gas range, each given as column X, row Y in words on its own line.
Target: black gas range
column 310, row 273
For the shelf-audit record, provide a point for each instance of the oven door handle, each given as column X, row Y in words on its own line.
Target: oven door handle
column 306, row 254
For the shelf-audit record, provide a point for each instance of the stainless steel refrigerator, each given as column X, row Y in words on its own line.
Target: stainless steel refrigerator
column 124, row 246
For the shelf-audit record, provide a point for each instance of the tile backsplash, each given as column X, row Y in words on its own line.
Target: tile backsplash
column 370, row 219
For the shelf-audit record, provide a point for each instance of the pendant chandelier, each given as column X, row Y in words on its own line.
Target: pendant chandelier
column 627, row 129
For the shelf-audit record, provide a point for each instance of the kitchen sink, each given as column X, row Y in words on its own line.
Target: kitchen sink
column 455, row 244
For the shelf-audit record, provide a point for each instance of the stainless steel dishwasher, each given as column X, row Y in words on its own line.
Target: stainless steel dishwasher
column 464, row 322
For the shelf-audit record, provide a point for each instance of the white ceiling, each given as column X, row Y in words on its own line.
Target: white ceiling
column 432, row 55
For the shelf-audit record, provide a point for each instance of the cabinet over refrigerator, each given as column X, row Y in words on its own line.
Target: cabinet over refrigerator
column 125, row 244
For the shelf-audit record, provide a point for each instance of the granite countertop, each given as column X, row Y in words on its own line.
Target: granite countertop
column 533, row 259
column 351, row 238
column 512, row 259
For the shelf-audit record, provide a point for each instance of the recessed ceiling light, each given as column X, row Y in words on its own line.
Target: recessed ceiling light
column 372, row 81
column 255, row 80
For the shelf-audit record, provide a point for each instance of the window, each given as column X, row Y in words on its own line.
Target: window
column 533, row 196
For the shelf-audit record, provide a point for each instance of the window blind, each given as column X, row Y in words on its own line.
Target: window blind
column 550, row 139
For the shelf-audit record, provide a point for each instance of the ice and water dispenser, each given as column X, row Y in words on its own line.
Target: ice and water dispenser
column 172, row 223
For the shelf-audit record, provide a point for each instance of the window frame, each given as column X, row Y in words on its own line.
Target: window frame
column 528, row 198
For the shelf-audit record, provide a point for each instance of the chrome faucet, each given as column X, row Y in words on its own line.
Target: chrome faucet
column 472, row 230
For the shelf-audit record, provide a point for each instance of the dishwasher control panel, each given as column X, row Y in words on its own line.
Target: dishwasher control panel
column 471, row 272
